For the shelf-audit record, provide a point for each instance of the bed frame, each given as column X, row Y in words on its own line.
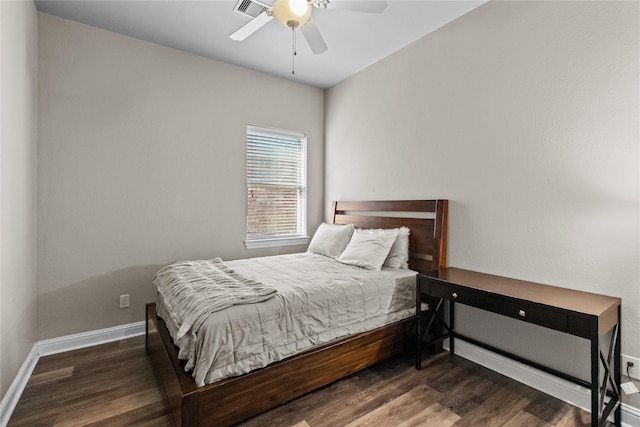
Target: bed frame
column 233, row 400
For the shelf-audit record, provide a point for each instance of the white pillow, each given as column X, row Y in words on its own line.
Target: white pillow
column 331, row 239
column 399, row 254
column 368, row 248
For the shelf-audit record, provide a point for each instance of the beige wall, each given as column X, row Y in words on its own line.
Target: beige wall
column 525, row 116
column 18, row 162
column 142, row 162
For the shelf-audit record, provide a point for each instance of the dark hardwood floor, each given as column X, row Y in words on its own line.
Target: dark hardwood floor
column 109, row 384
column 113, row 384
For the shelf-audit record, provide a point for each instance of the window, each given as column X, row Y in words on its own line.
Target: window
column 276, row 187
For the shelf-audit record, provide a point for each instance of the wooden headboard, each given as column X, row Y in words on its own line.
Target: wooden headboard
column 427, row 220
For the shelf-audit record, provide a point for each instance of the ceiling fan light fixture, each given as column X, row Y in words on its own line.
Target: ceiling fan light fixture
column 299, row 7
column 292, row 13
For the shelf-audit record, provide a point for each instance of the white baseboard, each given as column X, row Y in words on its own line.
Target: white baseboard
column 91, row 338
column 60, row 345
column 630, row 415
column 561, row 389
column 10, row 399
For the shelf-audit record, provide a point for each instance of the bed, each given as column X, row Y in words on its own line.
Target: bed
column 231, row 400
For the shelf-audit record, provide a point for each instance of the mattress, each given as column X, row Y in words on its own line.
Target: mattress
column 318, row 300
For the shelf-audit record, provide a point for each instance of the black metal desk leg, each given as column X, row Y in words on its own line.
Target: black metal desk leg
column 616, row 367
column 452, row 348
column 418, row 328
column 595, row 380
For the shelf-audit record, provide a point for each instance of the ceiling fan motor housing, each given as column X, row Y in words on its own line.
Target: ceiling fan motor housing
column 292, row 13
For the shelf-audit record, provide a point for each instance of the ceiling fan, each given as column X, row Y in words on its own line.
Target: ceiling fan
column 297, row 14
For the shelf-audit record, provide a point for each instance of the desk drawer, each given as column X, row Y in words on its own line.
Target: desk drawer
column 539, row 315
column 467, row 296
column 511, row 307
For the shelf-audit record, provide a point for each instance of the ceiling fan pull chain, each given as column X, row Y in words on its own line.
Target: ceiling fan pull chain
column 293, row 57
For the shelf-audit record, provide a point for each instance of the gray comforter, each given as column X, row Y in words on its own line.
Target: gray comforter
column 318, row 300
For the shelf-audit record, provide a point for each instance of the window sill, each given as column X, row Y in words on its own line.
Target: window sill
column 270, row 243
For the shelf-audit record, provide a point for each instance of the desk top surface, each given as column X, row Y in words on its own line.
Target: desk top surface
column 554, row 296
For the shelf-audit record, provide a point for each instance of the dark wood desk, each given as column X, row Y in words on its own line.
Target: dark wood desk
column 578, row 313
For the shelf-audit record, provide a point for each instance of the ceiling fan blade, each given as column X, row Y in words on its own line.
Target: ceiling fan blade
column 251, row 27
column 313, row 37
column 369, row 6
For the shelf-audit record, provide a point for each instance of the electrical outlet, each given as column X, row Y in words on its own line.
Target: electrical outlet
column 124, row 301
column 634, row 370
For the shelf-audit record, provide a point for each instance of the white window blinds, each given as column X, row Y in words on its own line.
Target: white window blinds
column 276, row 185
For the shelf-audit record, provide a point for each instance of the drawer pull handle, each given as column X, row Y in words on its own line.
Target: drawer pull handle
column 521, row 313
column 454, row 295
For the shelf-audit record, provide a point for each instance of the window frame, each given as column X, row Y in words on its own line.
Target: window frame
column 301, row 237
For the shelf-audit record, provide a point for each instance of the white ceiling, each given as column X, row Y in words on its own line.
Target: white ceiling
column 355, row 39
